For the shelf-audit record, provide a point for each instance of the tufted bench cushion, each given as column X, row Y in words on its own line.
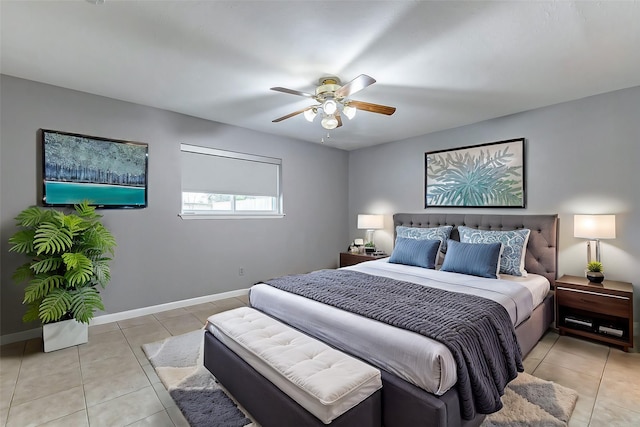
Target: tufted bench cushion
column 321, row 379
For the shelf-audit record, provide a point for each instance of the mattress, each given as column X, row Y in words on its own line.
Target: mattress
column 415, row 358
column 321, row 379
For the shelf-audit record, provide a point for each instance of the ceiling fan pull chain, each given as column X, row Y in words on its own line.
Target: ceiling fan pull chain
column 328, row 137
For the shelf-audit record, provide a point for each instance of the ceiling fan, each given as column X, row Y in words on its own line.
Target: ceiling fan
column 332, row 98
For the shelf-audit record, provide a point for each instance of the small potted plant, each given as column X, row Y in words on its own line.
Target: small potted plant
column 369, row 247
column 595, row 272
column 67, row 263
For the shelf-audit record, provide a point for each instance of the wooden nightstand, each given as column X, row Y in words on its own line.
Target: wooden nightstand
column 347, row 258
column 600, row 311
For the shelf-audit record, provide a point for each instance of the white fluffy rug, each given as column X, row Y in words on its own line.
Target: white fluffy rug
column 529, row 401
column 178, row 361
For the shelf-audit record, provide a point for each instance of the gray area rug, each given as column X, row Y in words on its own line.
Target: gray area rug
column 178, row 361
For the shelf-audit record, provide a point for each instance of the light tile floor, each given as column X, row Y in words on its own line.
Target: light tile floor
column 106, row 382
column 109, row 381
column 606, row 378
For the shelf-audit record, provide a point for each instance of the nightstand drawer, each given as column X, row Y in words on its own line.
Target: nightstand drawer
column 598, row 302
column 347, row 258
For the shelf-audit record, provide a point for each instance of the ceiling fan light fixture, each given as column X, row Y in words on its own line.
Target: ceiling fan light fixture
column 310, row 114
column 334, row 101
column 349, row 111
column 329, row 106
column 329, row 122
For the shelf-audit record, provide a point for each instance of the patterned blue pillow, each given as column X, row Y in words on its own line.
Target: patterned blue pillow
column 514, row 244
column 419, row 253
column 476, row 259
column 434, row 233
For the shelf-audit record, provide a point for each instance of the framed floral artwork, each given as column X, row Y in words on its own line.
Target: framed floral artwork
column 485, row 175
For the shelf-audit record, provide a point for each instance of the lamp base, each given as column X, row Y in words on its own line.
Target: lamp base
column 369, row 238
column 589, row 251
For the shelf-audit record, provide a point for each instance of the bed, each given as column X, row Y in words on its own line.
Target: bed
column 419, row 374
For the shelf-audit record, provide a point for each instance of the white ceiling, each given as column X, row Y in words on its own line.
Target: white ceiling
column 442, row 64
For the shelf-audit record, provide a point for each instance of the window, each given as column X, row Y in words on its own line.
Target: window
column 218, row 183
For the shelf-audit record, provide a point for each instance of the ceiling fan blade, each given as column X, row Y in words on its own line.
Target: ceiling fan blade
column 292, row 92
column 339, row 119
column 374, row 108
column 355, row 85
column 295, row 113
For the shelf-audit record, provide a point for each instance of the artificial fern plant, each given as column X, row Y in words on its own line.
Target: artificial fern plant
column 68, row 260
column 595, row 267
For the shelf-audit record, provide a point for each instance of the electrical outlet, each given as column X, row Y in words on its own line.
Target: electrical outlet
column 241, row 271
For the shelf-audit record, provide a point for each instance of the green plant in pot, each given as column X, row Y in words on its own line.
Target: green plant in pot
column 68, row 263
column 369, row 247
column 595, row 272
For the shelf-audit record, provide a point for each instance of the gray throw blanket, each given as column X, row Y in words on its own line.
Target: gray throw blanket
column 477, row 331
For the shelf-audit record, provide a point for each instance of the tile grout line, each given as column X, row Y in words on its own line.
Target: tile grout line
column 626, row 408
column 134, row 391
column 148, row 379
column 595, row 400
column 84, row 391
column 15, row 385
column 121, row 330
column 599, row 377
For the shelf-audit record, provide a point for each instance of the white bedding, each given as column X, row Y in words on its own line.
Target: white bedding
column 413, row 357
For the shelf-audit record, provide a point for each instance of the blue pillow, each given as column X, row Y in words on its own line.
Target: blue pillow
column 514, row 244
column 476, row 259
column 419, row 253
column 434, row 233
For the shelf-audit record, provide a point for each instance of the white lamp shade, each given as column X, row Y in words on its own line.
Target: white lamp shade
column 370, row 222
column 309, row 114
column 594, row 226
column 329, row 122
column 329, row 106
column 350, row 112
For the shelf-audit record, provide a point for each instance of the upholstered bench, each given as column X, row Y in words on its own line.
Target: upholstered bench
column 286, row 378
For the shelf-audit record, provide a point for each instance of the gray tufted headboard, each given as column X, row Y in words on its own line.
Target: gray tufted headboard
column 542, row 249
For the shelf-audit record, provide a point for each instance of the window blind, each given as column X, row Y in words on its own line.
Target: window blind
column 207, row 170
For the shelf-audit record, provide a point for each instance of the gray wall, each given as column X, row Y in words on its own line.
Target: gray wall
column 161, row 258
column 582, row 157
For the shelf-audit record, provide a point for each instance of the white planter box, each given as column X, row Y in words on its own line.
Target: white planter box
column 66, row 333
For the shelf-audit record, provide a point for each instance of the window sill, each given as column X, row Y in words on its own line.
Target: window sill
column 205, row 216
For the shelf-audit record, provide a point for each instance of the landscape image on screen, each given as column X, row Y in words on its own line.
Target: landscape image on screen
column 106, row 173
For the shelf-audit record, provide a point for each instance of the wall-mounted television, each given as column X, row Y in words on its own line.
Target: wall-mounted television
column 108, row 173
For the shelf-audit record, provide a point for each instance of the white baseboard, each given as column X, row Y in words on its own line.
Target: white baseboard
column 129, row 314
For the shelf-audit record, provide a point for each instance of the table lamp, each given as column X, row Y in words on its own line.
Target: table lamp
column 594, row 227
column 370, row 223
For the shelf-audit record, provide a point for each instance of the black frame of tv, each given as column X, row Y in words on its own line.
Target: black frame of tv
column 109, row 173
